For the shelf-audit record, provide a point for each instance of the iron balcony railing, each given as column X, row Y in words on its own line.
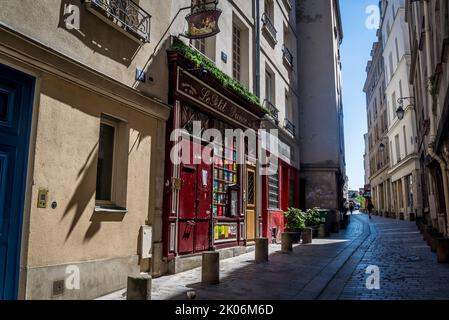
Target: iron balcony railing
column 269, row 27
column 289, row 4
column 290, row 127
column 125, row 15
column 287, row 55
column 273, row 111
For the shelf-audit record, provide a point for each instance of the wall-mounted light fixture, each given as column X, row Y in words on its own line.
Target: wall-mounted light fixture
column 382, row 145
column 400, row 111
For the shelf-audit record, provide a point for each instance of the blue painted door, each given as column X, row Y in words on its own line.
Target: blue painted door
column 16, row 100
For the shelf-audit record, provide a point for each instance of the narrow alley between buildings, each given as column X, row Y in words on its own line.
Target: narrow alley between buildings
column 331, row 268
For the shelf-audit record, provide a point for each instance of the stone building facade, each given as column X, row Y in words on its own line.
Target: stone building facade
column 378, row 155
column 86, row 90
column 428, row 23
column 321, row 136
column 88, row 173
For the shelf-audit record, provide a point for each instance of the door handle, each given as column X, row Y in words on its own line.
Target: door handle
column 191, row 223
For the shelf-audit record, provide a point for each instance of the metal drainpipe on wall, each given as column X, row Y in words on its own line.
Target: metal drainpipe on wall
column 431, row 148
column 257, row 92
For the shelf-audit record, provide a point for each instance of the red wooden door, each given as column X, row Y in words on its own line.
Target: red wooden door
column 195, row 206
column 187, row 196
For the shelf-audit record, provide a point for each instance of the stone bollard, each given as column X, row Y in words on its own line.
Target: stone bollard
column 261, row 250
column 139, row 287
column 322, row 231
column 306, row 236
column 443, row 250
column 210, row 271
column 287, row 242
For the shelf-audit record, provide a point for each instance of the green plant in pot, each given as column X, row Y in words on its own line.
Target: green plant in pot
column 295, row 223
column 313, row 220
column 312, row 217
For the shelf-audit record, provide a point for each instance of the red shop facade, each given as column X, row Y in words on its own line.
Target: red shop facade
column 210, row 204
column 280, row 191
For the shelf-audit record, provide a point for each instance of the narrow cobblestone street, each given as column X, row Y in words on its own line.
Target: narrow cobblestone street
column 332, row 268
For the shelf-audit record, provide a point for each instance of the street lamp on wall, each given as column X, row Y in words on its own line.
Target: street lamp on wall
column 400, row 111
column 382, row 145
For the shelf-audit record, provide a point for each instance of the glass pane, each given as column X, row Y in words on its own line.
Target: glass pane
column 105, row 162
column 251, row 187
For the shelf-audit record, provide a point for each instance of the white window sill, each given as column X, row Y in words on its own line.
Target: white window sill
column 110, row 209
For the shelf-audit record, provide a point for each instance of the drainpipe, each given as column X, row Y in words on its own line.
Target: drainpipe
column 259, row 232
column 257, row 49
column 432, row 138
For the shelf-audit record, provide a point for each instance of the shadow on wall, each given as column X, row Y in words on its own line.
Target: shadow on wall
column 85, row 186
column 97, row 35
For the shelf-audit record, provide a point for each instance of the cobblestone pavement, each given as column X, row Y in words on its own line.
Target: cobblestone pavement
column 332, row 268
column 408, row 269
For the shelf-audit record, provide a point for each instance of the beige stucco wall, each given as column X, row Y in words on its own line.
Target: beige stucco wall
column 67, row 168
column 96, row 44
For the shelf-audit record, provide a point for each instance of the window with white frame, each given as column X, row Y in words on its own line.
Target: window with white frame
column 112, row 163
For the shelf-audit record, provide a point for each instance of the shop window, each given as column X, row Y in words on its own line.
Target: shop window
column 409, row 190
column 273, row 191
column 226, row 178
column 189, row 115
column 112, row 164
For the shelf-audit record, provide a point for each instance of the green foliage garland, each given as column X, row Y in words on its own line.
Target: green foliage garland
column 199, row 61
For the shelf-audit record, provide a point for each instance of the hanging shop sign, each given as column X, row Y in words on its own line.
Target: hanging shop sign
column 203, row 24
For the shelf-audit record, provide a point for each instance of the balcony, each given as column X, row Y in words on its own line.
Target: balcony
column 269, row 28
column 287, row 56
column 272, row 110
column 290, row 127
column 124, row 15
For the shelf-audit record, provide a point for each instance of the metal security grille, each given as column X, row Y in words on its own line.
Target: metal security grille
column 251, row 189
column 273, row 191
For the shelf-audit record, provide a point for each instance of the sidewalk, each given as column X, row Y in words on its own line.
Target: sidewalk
column 329, row 269
column 303, row 274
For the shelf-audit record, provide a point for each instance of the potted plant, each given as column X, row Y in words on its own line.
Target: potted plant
column 313, row 220
column 294, row 223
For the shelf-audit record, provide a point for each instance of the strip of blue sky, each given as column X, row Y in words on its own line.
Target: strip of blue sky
column 355, row 53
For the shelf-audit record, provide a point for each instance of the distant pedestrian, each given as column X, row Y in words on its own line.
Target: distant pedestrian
column 351, row 206
column 370, row 208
